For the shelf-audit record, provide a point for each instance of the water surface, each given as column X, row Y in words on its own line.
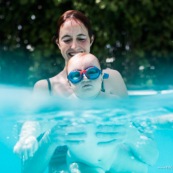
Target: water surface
column 154, row 113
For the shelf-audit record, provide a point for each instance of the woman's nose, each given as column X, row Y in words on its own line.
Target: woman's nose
column 74, row 44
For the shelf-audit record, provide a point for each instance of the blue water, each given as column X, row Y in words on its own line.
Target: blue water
column 16, row 106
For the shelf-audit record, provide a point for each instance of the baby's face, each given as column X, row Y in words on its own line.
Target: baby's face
column 86, row 87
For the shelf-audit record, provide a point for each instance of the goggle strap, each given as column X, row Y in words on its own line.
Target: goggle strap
column 105, row 76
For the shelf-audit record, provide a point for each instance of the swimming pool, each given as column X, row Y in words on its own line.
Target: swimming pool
column 158, row 106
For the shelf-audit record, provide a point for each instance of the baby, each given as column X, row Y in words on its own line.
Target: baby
column 85, row 77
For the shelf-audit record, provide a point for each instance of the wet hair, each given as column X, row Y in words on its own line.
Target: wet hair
column 75, row 15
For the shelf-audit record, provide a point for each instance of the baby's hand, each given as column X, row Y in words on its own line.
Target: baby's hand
column 26, row 148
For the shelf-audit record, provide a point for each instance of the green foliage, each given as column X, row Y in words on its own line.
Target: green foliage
column 132, row 36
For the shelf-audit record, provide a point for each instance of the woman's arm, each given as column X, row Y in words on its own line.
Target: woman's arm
column 57, row 136
column 39, row 162
column 47, row 145
column 27, row 143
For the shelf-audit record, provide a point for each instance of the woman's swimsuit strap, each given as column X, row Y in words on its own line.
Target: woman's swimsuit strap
column 49, row 86
column 102, row 87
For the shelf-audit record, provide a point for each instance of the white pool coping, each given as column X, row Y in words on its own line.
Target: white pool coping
column 149, row 92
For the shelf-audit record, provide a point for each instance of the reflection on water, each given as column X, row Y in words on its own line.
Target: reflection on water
column 151, row 113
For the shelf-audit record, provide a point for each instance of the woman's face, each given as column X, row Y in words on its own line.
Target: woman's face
column 73, row 39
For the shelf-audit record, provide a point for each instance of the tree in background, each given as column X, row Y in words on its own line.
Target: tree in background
column 134, row 37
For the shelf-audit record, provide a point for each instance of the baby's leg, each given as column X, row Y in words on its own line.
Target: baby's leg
column 125, row 162
column 83, row 168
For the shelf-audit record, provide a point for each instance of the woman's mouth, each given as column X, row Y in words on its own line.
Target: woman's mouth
column 71, row 54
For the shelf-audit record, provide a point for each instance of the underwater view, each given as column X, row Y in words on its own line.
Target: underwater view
column 131, row 42
column 150, row 111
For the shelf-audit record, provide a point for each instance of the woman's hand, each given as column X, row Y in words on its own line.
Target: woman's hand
column 75, row 134
column 110, row 134
column 65, row 134
column 26, row 148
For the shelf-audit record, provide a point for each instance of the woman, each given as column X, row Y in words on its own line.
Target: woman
column 74, row 35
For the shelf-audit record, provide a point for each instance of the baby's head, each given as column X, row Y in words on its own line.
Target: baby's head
column 84, row 75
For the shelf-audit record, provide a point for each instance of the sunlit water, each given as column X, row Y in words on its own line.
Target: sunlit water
column 154, row 111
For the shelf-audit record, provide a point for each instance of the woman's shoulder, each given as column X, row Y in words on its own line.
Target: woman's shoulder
column 115, row 83
column 112, row 72
column 114, row 77
column 41, row 84
column 108, row 96
column 44, row 83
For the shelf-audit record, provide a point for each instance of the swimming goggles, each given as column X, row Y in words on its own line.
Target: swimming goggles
column 91, row 72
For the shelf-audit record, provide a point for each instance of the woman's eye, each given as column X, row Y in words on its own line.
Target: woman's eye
column 81, row 39
column 67, row 41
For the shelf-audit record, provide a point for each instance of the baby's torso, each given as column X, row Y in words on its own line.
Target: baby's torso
column 91, row 153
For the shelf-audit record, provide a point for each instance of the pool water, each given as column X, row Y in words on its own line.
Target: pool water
column 16, row 107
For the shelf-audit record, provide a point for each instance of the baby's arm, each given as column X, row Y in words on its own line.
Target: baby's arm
column 27, row 143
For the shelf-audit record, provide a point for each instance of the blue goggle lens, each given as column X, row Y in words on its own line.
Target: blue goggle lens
column 91, row 73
